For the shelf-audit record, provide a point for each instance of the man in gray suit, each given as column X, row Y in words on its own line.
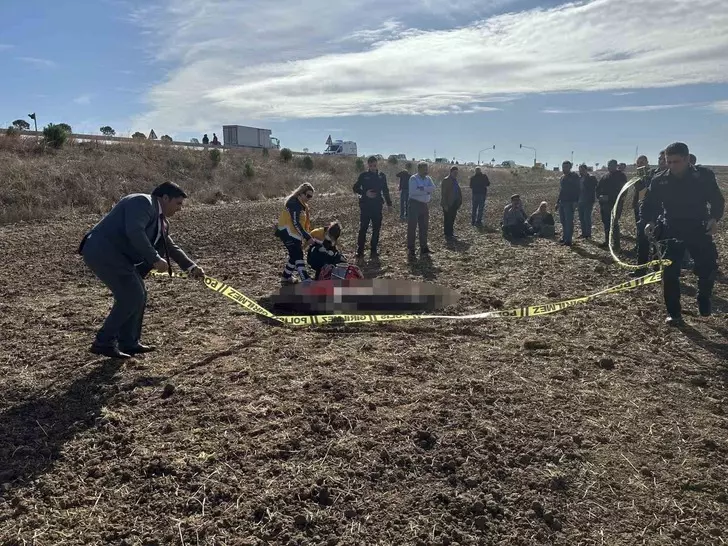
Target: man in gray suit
column 121, row 250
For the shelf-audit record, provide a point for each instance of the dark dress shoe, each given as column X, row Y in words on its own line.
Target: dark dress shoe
column 426, row 251
column 139, row 349
column 110, row 352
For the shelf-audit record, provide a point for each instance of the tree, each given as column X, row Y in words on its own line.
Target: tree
column 106, row 130
column 65, row 127
column 392, row 160
column 307, row 163
column 139, row 136
column 21, row 125
column 55, row 135
column 166, row 138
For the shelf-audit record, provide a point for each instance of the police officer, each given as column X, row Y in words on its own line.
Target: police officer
column 371, row 186
column 640, row 188
column 684, row 192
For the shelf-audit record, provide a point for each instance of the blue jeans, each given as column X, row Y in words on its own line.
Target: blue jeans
column 566, row 215
column 478, row 208
column 403, row 204
column 585, row 218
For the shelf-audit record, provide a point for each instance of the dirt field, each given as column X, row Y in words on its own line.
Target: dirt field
column 598, row 425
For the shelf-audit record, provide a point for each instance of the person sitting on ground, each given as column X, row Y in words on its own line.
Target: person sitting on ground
column 515, row 223
column 324, row 251
column 542, row 221
column 215, row 141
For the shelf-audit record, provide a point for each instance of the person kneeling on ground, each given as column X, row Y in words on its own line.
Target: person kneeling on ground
column 324, row 250
column 514, row 219
column 542, row 221
column 292, row 229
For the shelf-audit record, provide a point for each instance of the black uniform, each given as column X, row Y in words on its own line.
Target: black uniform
column 643, row 244
column 688, row 204
column 608, row 188
column 370, row 208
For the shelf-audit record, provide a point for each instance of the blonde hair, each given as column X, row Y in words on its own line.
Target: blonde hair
column 303, row 188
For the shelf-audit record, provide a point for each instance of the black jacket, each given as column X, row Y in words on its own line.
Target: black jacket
column 404, row 177
column 588, row 189
column 479, row 183
column 683, row 200
column 376, row 181
column 610, row 185
column 569, row 188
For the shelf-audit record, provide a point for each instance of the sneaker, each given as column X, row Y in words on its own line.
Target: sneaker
column 674, row 321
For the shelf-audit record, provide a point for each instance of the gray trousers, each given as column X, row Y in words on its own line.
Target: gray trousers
column 123, row 325
column 418, row 215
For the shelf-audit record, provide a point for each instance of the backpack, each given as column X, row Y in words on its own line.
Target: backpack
column 340, row 271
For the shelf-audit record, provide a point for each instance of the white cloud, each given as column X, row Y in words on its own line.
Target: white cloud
column 720, row 106
column 628, row 108
column 646, row 107
column 245, row 60
column 43, row 63
column 4, row 47
column 83, row 99
column 623, row 93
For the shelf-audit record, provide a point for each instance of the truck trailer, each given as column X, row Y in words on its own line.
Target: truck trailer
column 240, row 136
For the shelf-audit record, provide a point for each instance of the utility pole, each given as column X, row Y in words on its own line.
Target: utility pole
column 32, row 116
column 530, row 148
column 483, row 150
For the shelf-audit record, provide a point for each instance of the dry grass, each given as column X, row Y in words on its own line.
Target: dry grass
column 39, row 182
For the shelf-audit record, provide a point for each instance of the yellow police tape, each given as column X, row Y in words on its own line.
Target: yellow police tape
column 614, row 217
column 315, row 320
column 518, row 312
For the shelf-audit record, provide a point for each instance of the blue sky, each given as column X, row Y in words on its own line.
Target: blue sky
column 598, row 77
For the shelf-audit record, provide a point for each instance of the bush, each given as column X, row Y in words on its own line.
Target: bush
column 12, row 132
column 55, row 135
column 215, row 157
column 392, row 160
column 360, row 164
column 286, row 155
column 408, row 166
column 248, row 170
column 166, row 138
column 66, row 127
column 139, row 136
column 307, row 163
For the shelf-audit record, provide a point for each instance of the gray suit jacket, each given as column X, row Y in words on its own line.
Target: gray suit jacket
column 131, row 229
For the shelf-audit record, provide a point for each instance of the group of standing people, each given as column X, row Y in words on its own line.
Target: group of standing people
column 677, row 206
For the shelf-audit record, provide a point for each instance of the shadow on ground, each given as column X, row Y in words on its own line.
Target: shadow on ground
column 32, row 434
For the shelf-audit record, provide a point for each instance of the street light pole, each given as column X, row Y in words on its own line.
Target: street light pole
column 483, row 150
column 534, row 152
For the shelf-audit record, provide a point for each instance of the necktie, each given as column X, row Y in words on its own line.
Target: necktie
column 163, row 227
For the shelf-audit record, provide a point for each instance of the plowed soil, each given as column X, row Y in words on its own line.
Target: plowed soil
column 597, row 425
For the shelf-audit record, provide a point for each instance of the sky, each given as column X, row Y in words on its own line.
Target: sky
column 447, row 78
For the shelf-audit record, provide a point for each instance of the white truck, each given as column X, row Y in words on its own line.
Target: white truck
column 240, row 136
column 341, row 147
